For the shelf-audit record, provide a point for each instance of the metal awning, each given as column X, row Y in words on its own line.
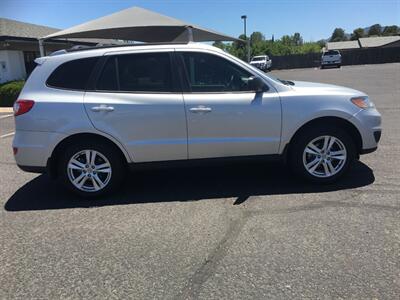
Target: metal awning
column 138, row 24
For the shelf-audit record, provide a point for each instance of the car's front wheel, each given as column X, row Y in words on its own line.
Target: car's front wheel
column 322, row 155
column 91, row 169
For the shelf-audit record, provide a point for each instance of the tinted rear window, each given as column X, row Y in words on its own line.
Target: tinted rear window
column 72, row 75
column 144, row 72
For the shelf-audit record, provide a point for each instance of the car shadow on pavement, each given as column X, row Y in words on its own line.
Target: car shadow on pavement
column 238, row 180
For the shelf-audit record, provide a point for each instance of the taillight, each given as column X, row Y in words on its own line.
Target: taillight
column 22, row 106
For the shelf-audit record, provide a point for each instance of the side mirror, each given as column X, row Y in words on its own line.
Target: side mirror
column 257, row 84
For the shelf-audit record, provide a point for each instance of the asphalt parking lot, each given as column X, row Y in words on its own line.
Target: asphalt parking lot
column 232, row 232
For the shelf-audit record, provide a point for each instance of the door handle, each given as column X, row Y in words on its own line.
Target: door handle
column 200, row 109
column 102, row 107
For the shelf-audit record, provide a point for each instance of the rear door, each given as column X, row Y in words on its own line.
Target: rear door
column 136, row 100
column 226, row 118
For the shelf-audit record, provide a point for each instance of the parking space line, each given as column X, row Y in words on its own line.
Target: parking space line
column 7, row 135
column 6, row 116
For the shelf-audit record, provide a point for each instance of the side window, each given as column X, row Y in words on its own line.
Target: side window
column 108, row 78
column 211, row 73
column 146, row 72
column 72, row 75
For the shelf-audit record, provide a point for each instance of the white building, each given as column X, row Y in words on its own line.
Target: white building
column 19, row 47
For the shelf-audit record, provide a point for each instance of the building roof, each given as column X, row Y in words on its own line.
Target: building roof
column 13, row 28
column 378, row 41
column 342, row 45
column 25, row 30
column 367, row 42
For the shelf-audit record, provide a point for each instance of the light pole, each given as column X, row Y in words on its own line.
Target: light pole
column 244, row 17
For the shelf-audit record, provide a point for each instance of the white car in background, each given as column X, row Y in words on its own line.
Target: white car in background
column 262, row 62
column 331, row 58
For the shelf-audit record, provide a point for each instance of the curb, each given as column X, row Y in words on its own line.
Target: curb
column 6, row 110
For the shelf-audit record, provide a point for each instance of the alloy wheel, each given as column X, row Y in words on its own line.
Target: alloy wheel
column 324, row 156
column 89, row 170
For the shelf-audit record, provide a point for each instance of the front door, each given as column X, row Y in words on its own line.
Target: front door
column 224, row 117
column 135, row 101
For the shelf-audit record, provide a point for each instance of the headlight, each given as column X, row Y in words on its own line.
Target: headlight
column 362, row 102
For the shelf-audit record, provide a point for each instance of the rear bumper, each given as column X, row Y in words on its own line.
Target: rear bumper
column 34, row 149
column 33, row 169
column 333, row 62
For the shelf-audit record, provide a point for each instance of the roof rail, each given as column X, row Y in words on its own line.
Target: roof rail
column 77, row 48
column 103, row 46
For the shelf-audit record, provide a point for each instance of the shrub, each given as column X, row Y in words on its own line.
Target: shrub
column 9, row 92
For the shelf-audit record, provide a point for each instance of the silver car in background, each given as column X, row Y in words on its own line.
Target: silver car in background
column 331, row 58
column 85, row 116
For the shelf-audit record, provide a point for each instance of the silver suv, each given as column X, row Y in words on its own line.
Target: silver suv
column 85, row 116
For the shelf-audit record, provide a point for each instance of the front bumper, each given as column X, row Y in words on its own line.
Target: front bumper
column 369, row 125
column 260, row 66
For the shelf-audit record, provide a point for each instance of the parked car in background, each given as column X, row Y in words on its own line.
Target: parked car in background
column 262, row 62
column 85, row 116
column 331, row 58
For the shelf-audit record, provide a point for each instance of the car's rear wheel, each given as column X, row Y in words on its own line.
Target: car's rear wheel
column 322, row 155
column 91, row 169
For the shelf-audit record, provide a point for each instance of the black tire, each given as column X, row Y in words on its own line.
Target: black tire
column 322, row 67
column 338, row 66
column 114, row 157
column 302, row 139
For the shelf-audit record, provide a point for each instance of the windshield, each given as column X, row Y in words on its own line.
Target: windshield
column 331, row 52
column 258, row 58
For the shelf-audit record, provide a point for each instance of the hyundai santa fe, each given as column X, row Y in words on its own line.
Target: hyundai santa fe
column 87, row 116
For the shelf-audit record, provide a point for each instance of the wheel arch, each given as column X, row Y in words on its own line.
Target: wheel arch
column 74, row 138
column 346, row 125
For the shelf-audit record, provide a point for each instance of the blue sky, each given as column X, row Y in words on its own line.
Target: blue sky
column 313, row 19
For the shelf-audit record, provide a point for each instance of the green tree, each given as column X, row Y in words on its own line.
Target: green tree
column 338, row 35
column 357, row 33
column 256, row 37
column 218, row 44
column 297, row 39
column 321, row 43
column 239, row 48
column 375, row 29
column 287, row 40
column 288, row 44
column 391, row 30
